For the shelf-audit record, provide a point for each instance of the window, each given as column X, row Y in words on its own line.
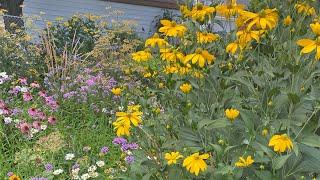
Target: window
column 168, row 4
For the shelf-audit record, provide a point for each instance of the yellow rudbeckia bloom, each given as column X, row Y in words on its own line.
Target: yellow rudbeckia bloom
column 172, row 157
column 304, row 8
column 196, row 163
column 281, row 143
column 229, row 9
column 206, row 37
column 155, row 40
column 265, row 19
column 141, row 56
column 201, row 57
column 199, row 12
column 247, row 36
column 172, row 29
column 186, row 88
column 232, row 114
column 310, row 45
column 315, row 27
column 171, row 55
column 185, row 11
column 122, row 128
column 242, row 163
column 133, row 117
column 287, row 21
column 116, row 91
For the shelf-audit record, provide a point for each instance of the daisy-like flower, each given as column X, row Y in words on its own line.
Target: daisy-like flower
column 155, row 40
column 57, row 172
column 206, row 37
column 69, row 156
column 196, row 163
column 247, row 36
column 171, row 55
column 201, row 57
column 310, row 45
column 116, row 91
column 281, row 143
column 230, row 9
column 172, row 29
column 304, row 8
column 14, row 177
column 142, row 56
column 186, row 88
column 244, row 162
column 185, row 11
column 122, row 128
column 130, row 116
column 100, row 163
column 265, row 19
column 172, row 157
column 199, row 12
column 232, row 114
column 287, row 21
column 235, row 46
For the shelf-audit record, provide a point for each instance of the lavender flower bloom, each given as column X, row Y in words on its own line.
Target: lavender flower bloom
column 10, row 174
column 104, row 150
column 131, row 146
column 129, row 159
column 76, row 166
column 119, row 141
column 48, row 167
column 39, row 178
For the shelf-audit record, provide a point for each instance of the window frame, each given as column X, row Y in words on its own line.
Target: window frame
column 167, row 4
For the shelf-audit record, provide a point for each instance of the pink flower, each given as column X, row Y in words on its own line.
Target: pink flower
column 2, row 104
column 36, row 125
column 23, row 80
column 42, row 94
column 27, row 96
column 41, row 115
column 32, row 112
column 52, row 120
column 35, row 85
column 25, row 128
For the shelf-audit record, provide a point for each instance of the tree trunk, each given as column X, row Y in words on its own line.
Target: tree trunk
column 12, row 18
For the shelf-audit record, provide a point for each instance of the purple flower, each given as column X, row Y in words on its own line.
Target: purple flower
column 27, row 96
column 10, row 174
column 39, row 178
column 76, row 166
column 48, row 167
column 119, row 141
column 131, row 146
column 104, row 150
column 91, row 81
column 129, row 159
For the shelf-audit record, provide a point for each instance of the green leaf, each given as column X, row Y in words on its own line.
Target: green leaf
column 213, row 124
column 280, row 161
column 294, row 98
column 312, row 140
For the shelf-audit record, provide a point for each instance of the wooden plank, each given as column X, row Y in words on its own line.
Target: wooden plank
column 168, row 4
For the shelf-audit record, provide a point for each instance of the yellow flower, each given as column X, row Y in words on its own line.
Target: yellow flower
column 265, row 19
column 147, row 75
column 310, row 45
column 199, row 12
column 281, row 143
column 185, row 11
column 172, row 157
column 171, row 28
column 122, row 127
column 242, row 163
column 133, row 117
column 264, row 132
column 132, row 108
column 206, row 37
column 155, row 40
column 315, row 28
column 231, row 9
column 116, row 91
column 142, row 55
column 171, row 69
column 287, row 21
column 195, row 163
column 161, row 85
column 186, row 88
column 171, row 55
column 246, row 36
column 14, row 177
column 305, row 9
column 231, row 113
column 233, row 47
column 201, row 57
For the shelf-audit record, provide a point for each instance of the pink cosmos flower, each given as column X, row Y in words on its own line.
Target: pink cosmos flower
column 27, row 96
column 52, row 120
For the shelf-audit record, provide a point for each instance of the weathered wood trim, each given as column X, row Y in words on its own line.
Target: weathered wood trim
column 167, row 4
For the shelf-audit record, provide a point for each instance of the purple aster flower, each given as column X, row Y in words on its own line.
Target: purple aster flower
column 129, row 159
column 130, row 146
column 39, row 178
column 76, row 166
column 119, row 141
column 48, row 167
column 104, row 150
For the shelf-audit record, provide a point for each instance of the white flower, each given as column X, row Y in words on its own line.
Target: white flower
column 85, row 176
column 7, row 120
column 4, row 75
column 24, row 89
column 43, row 127
column 129, row 153
column 92, row 168
column 93, row 174
column 1, row 81
column 104, row 110
column 75, row 172
column 1, row 111
column 57, row 172
column 34, row 131
column 16, row 121
column 100, row 163
column 69, row 156
column 121, row 108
